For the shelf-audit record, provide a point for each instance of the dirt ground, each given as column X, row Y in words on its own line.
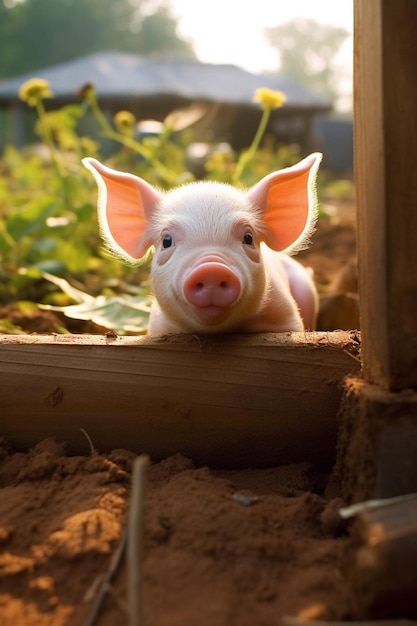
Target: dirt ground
column 230, row 548
column 238, row 547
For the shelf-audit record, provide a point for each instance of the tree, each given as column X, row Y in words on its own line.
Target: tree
column 308, row 54
column 157, row 35
column 38, row 33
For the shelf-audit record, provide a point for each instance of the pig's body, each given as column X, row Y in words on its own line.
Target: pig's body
column 218, row 264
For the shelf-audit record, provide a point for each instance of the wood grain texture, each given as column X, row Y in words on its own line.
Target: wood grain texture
column 229, row 401
column 385, row 107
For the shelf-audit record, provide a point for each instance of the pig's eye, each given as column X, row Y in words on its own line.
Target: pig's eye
column 167, row 241
column 248, row 239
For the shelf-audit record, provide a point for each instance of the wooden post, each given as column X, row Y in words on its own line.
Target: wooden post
column 378, row 442
column 385, row 100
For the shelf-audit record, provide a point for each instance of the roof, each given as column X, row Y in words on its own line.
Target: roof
column 121, row 75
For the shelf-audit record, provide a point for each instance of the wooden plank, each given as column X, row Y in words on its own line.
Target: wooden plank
column 382, row 559
column 229, row 401
column 385, row 107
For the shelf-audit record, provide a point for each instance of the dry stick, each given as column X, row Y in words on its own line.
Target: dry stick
column 135, row 540
column 104, row 587
column 93, row 451
column 133, row 535
column 298, row 621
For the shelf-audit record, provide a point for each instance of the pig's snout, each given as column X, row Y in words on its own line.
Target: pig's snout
column 211, row 287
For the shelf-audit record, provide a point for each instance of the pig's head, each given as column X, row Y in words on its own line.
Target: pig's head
column 207, row 271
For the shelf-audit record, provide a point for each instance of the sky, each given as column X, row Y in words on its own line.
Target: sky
column 232, row 31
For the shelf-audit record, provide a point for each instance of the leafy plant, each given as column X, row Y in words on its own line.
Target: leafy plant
column 125, row 313
column 49, row 240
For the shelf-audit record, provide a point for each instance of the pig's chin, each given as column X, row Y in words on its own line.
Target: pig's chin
column 211, row 315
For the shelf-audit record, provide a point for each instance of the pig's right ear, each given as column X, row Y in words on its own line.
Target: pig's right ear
column 125, row 206
column 287, row 200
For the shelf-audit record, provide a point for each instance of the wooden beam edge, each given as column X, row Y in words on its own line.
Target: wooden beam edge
column 338, row 339
column 226, row 401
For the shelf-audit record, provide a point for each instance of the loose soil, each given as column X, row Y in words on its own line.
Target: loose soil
column 227, row 548
column 224, row 548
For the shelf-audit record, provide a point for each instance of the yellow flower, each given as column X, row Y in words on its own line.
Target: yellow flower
column 269, row 98
column 125, row 122
column 35, row 90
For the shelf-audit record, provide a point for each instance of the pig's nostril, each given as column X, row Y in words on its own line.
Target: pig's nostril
column 212, row 284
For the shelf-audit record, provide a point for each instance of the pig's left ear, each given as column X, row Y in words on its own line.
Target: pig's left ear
column 288, row 201
column 125, row 206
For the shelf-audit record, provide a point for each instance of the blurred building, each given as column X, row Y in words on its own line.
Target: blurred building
column 334, row 138
column 152, row 87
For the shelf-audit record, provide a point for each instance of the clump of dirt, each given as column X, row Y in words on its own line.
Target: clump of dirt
column 220, row 547
column 33, row 321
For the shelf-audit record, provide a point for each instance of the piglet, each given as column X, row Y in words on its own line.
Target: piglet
column 221, row 260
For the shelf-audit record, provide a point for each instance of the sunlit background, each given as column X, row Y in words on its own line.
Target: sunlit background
column 232, row 31
column 259, row 36
column 168, row 90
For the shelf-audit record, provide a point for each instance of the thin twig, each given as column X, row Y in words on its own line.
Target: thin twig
column 105, row 585
column 87, row 436
column 298, row 621
column 369, row 505
column 353, row 356
column 135, row 540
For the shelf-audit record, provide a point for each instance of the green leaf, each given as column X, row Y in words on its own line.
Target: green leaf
column 72, row 292
column 53, row 266
column 8, row 328
column 85, row 212
column 24, row 277
column 6, row 241
column 120, row 313
column 74, row 255
column 31, row 219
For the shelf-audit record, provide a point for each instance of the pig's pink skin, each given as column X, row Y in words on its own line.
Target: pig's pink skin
column 211, row 271
column 212, row 288
column 204, row 232
column 265, row 303
column 275, row 311
column 303, row 289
